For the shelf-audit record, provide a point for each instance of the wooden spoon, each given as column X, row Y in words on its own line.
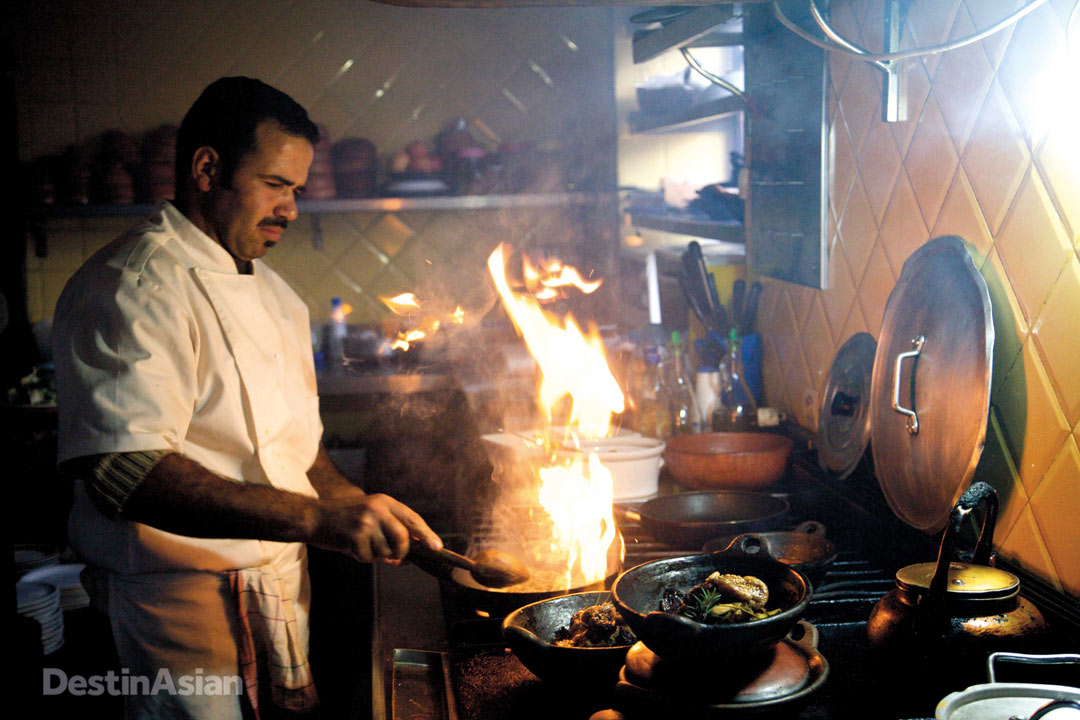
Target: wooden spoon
column 490, row 568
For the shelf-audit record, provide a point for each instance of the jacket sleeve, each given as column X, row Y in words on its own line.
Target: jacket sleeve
column 125, row 348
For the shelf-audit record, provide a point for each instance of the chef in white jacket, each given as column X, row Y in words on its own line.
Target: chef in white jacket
column 188, row 410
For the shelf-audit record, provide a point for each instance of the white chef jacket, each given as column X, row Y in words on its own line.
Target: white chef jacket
column 159, row 342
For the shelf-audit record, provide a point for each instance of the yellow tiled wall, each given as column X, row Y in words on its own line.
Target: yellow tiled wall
column 391, row 74
column 990, row 152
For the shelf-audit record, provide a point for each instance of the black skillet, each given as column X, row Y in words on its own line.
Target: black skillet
column 688, row 520
column 805, row 548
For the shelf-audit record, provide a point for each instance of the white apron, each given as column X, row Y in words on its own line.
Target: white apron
column 160, row 343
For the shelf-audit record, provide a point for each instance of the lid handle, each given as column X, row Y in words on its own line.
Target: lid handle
column 912, row 416
column 1025, row 659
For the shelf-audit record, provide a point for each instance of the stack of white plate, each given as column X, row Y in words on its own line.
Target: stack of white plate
column 66, row 578
column 32, row 557
column 41, row 601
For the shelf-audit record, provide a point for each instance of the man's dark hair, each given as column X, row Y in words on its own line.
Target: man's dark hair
column 225, row 117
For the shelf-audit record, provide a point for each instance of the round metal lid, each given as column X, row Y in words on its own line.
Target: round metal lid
column 844, row 420
column 931, row 383
column 965, row 579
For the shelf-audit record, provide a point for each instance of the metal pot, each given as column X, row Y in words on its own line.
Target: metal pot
column 1004, row 701
column 940, row 613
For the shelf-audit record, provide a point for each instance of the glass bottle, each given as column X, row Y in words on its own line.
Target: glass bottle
column 730, row 414
column 653, row 418
column 681, row 399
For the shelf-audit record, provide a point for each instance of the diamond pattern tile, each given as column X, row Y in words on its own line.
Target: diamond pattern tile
column 1010, row 331
column 996, row 158
column 842, row 164
column 877, row 282
column 1032, row 422
column 1057, row 158
column 985, row 13
column 859, row 99
column 1035, row 89
column 837, row 300
column 1056, row 336
column 1053, row 506
column 917, row 89
column 903, row 230
column 858, row 228
column 997, row 469
column 960, row 83
column 1032, row 275
column 854, row 324
column 879, row 162
column 960, row 215
column 1025, row 546
column 817, row 344
column 931, row 161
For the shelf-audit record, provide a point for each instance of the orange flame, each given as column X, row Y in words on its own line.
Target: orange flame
column 403, row 304
column 575, row 492
column 542, row 282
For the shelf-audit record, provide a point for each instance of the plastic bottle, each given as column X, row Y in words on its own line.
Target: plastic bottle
column 334, row 343
column 679, row 391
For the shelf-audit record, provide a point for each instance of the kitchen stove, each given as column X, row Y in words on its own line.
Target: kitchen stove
column 485, row 681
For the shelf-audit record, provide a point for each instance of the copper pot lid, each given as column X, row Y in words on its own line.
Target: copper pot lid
column 964, row 579
column 844, row 420
column 931, row 383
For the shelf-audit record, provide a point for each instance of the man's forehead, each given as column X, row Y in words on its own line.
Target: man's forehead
column 274, row 144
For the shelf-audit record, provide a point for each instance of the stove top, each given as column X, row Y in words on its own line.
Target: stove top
column 489, row 683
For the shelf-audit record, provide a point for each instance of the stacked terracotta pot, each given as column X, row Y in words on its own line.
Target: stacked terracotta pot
column 355, row 165
column 159, row 162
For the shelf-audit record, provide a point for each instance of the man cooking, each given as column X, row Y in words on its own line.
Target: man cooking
column 188, row 410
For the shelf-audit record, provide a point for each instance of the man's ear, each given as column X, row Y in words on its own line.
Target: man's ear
column 206, row 168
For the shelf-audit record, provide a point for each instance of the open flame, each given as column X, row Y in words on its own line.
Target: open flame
column 407, row 304
column 575, row 488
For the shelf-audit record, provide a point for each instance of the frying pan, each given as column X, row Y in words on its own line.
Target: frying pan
column 805, row 548
column 688, row 520
column 500, row 602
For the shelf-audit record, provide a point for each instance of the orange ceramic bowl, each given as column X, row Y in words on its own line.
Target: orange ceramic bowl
column 727, row 460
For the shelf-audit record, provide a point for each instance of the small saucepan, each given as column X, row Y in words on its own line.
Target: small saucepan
column 687, row 520
column 805, row 548
column 1005, row 701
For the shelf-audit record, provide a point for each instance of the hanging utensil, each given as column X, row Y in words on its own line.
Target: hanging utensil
column 749, row 310
column 738, row 298
column 694, row 301
column 718, row 308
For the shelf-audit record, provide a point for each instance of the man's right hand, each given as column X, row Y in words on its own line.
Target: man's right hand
column 371, row 527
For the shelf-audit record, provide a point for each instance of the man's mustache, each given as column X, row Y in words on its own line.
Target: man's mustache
column 272, row 222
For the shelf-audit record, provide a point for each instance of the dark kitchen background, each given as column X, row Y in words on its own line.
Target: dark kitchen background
column 989, row 152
